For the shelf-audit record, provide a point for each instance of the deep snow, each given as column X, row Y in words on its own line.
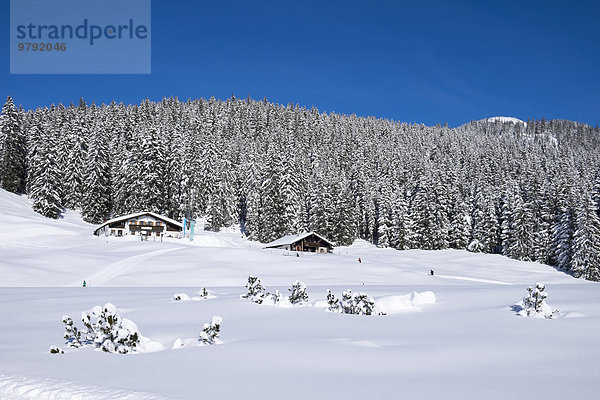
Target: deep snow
column 457, row 337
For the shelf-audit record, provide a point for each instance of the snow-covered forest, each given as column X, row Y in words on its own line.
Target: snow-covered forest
column 528, row 191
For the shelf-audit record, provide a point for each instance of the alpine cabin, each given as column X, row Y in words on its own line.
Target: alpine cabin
column 145, row 223
column 309, row 241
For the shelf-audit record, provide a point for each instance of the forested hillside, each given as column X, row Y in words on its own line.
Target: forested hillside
column 529, row 191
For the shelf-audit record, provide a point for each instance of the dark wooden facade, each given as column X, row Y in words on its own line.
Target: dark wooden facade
column 312, row 243
column 143, row 223
column 309, row 242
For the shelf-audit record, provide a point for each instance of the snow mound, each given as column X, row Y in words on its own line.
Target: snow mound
column 511, row 120
column 408, row 302
column 181, row 297
column 423, row 298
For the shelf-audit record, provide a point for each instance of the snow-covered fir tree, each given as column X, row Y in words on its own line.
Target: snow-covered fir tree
column 534, row 303
column 298, row 295
column 211, row 330
column 104, row 328
column 13, row 149
column 44, row 173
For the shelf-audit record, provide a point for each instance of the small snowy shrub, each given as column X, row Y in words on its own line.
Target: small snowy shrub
column 104, row 329
column 353, row 303
column 298, row 294
column 72, row 334
column 56, row 350
column 364, row 305
column 180, row 296
column 347, row 304
column 210, row 331
column 534, row 303
column 203, row 293
column 256, row 292
column 113, row 333
column 273, row 298
column 332, row 302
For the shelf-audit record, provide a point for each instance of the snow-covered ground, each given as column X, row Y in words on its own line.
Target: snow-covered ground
column 456, row 337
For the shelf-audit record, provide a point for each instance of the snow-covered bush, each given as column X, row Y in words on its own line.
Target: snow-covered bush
column 72, row 334
column 210, row 331
column 347, row 305
column 111, row 332
column 298, row 295
column 56, row 350
column 104, row 329
column 273, row 298
column 364, row 304
column 352, row 303
column 180, row 297
column 534, row 303
column 332, row 303
column 256, row 292
column 203, row 293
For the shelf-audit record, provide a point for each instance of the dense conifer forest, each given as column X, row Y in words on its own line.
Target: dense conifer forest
column 528, row 191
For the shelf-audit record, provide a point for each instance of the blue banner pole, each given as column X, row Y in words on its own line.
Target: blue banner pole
column 192, row 226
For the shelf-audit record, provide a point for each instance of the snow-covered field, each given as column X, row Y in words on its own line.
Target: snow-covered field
column 469, row 344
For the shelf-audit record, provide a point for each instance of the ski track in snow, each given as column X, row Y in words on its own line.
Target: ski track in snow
column 17, row 388
column 462, row 278
column 121, row 267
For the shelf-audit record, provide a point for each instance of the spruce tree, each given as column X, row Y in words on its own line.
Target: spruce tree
column 585, row 262
column 46, row 176
column 14, row 149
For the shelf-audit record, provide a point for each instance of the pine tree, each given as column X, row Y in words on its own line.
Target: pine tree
column 460, row 227
column 404, row 225
column 585, row 262
column 211, row 331
column 562, row 230
column 14, row 149
column 298, row 295
column 485, row 223
column 96, row 205
column 520, row 231
column 45, row 175
column 78, row 136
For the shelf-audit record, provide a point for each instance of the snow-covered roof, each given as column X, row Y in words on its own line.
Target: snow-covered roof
column 290, row 239
column 139, row 214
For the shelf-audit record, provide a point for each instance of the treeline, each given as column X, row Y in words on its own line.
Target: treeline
column 529, row 191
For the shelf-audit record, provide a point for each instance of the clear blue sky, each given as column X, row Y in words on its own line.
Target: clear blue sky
column 415, row 61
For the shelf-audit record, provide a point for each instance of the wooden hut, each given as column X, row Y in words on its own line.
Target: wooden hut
column 144, row 223
column 310, row 241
